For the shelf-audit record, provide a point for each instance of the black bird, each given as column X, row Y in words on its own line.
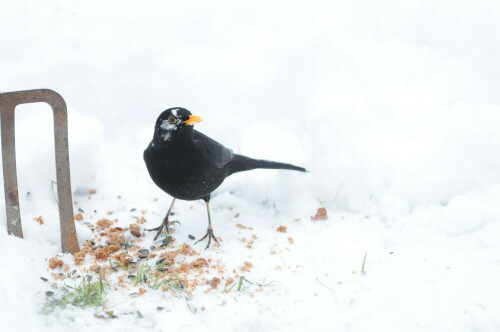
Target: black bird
column 189, row 165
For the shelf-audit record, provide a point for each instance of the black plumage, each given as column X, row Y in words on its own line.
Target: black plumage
column 189, row 165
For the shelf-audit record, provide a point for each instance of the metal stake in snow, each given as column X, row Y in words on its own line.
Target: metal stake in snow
column 8, row 103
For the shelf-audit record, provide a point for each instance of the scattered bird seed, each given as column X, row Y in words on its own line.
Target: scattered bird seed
column 143, row 253
column 162, row 269
column 134, row 294
column 80, row 210
column 44, row 279
column 131, row 276
column 133, row 210
column 161, row 260
column 28, row 196
column 191, row 237
column 49, row 293
column 159, row 308
column 139, row 314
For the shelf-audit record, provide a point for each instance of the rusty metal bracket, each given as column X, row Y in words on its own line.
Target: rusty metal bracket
column 8, row 103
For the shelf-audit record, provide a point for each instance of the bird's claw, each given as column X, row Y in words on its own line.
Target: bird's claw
column 210, row 235
column 160, row 229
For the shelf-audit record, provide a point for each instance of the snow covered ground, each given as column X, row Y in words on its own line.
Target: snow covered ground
column 392, row 106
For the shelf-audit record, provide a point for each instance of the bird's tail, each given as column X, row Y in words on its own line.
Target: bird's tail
column 242, row 163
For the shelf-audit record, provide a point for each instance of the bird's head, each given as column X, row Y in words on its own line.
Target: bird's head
column 175, row 122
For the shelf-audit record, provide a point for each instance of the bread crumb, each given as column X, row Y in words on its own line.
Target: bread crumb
column 116, row 239
column 199, row 263
column 142, row 291
column 55, row 262
column 94, row 268
column 321, row 214
column 79, row 217
column 247, row 266
column 58, row 276
column 123, row 258
column 237, row 215
column 39, row 220
column 135, row 230
column 104, row 252
column 214, row 282
column 104, row 223
column 291, row 240
column 281, row 229
column 240, row 226
column 142, row 220
column 92, row 192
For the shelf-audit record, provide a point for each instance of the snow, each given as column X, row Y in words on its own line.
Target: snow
column 392, row 106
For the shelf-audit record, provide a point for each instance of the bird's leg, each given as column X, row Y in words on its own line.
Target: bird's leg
column 210, row 230
column 164, row 223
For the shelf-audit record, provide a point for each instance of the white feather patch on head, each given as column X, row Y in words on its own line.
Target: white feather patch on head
column 174, row 112
column 168, row 127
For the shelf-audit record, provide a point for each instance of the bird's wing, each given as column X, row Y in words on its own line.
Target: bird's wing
column 218, row 154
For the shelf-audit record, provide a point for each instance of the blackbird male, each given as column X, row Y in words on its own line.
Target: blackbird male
column 189, row 165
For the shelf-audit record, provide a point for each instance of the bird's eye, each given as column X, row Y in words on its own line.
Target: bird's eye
column 172, row 119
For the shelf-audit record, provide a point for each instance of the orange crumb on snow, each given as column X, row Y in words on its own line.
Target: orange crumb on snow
column 321, row 214
column 55, row 262
column 281, row 229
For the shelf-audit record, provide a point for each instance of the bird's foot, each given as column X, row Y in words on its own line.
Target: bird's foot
column 160, row 228
column 210, row 235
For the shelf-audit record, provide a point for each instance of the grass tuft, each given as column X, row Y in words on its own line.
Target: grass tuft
column 87, row 294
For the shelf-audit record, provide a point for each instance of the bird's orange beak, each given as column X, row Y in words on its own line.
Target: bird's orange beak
column 192, row 119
